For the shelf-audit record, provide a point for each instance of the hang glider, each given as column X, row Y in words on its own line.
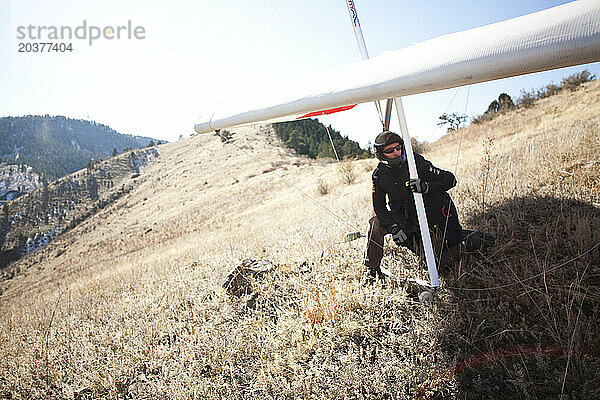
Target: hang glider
column 558, row 37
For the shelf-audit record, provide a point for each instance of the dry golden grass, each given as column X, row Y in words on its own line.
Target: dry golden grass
column 134, row 306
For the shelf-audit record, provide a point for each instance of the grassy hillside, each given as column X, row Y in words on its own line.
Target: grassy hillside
column 130, row 303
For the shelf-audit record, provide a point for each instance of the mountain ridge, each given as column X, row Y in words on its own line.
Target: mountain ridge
column 56, row 145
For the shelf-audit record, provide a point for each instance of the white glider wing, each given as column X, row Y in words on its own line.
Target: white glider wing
column 559, row 37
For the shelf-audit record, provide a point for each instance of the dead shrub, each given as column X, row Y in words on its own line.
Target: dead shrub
column 322, row 187
column 526, row 99
column 572, row 82
column 346, row 172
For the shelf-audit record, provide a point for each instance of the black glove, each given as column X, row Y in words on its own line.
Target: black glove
column 398, row 235
column 418, row 186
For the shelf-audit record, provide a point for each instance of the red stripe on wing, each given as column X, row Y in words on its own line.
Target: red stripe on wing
column 325, row 112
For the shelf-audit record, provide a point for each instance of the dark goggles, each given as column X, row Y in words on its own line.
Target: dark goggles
column 392, row 149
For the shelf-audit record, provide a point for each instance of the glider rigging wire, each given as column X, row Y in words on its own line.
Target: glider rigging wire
column 332, row 145
column 269, row 24
column 290, row 184
column 426, row 16
column 455, row 169
column 529, row 277
column 451, row 101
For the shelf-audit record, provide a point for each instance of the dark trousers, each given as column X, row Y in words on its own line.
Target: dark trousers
column 444, row 228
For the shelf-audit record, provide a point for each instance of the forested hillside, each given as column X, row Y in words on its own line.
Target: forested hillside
column 309, row 137
column 57, row 146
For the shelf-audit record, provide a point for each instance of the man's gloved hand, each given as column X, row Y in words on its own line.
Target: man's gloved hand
column 398, row 235
column 418, row 186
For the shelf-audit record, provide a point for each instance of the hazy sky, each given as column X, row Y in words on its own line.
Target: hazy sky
column 195, row 53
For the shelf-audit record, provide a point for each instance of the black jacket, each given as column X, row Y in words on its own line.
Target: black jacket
column 391, row 182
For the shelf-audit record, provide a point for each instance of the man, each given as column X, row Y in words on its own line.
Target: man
column 395, row 211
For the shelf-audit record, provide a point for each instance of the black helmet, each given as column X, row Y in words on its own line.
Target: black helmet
column 383, row 139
